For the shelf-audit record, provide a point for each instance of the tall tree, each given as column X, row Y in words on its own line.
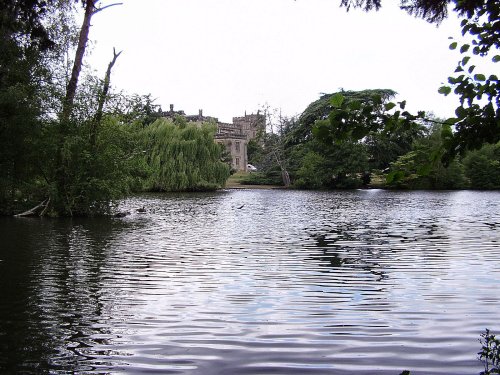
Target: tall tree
column 62, row 202
column 183, row 157
column 24, row 45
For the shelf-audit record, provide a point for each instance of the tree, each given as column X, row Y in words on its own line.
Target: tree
column 422, row 168
column 482, row 167
column 25, row 46
column 328, row 148
column 62, row 203
column 102, row 99
column 183, row 157
column 333, row 165
column 302, row 129
column 477, row 118
column 268, row 151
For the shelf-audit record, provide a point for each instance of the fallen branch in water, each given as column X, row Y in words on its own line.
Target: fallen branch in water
column 33, row 211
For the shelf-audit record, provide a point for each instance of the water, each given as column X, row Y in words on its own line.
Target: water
column 255, row 282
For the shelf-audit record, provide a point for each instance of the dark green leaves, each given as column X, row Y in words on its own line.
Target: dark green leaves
column 389, row 106
column 354, row 105
column 445, row 90
column 453, row 45
column 479, row 77
column 337, row 100
column 464, row 48
column 394, row 176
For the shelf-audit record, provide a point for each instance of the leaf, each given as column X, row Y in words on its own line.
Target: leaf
column 451, row 121
column 336, row 100
column 496, row 58
column 461, row 112
column 402, row 104
column 389, row 106
column 453, row 45
column 465, row 60
column 479, row 77
column 359, row 132
column 445, row 90
column 354, row 105
column 459, row 69
column 464, row 48
column 321, row 131
column 471, row 68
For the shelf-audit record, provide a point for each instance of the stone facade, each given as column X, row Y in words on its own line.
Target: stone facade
column 234, row 137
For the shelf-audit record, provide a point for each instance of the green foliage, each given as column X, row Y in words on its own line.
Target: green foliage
column 183, row 157
column 135, row 108
column 329, row 147
column 478, row 115
column 422, row 168
column 255, row 152
column 490, row 353
column 321, row 109
column 482, row 167
column 312, row 172
column 23, row 45
column 385, row 147
column 331, row 165
column 95, row 175
column 477, row 118
column 270, row 177
column 356, row 116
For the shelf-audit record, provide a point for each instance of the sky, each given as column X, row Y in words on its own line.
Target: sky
column 229, row 57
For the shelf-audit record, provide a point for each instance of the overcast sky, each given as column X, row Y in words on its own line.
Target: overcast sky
column 231, row 56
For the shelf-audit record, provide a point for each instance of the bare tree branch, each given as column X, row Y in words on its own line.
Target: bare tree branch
column 102, row 99
column 97, row 10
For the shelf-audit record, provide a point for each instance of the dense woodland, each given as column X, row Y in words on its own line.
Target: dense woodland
column 73, row 145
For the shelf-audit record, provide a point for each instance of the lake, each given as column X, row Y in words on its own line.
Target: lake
column 255, row 282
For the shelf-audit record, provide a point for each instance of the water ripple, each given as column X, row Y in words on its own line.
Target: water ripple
column 255, row 282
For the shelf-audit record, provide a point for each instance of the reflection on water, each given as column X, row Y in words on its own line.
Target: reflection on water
column 255, row 282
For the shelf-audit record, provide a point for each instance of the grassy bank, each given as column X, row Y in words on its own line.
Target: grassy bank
column 235, row 181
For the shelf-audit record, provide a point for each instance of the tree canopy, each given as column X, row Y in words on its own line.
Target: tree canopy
column 433, row 11
column 477, row 117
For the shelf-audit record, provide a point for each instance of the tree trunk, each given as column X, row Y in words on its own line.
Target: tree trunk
column 284, row 173
column 102, row 100
column 77, row 64
column 61, row 177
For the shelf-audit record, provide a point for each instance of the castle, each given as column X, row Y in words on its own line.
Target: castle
column 234, row 136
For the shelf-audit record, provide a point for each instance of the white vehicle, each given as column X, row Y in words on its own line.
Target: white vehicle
column 251, row 168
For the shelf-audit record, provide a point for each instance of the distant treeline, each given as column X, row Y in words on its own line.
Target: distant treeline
column 318, row 154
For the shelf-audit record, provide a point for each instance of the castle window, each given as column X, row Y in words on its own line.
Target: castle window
column 237, row 162
column 237, row 146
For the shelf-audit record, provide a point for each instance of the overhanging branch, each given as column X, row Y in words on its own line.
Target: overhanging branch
column 97, row 10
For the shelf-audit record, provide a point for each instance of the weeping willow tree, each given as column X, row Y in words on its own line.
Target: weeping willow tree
column 183, row 157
